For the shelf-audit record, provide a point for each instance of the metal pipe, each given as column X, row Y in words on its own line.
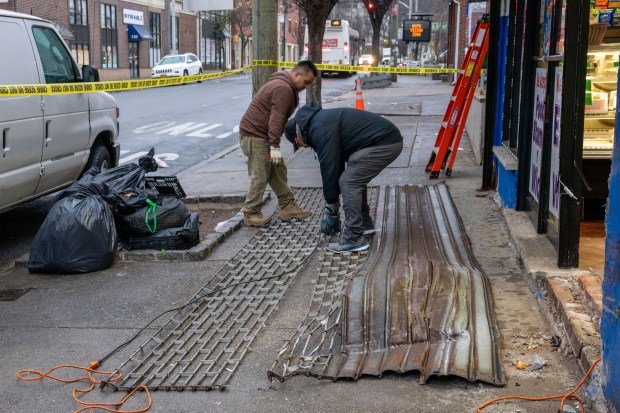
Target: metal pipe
column 173, row 28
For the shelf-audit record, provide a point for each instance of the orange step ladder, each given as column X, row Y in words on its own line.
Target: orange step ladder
column 451, row 131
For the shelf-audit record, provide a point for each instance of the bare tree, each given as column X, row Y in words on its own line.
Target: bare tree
column 241, row 22
column 377, row 9
column 317, row 12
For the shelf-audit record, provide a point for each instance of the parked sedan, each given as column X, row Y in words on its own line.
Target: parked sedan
column 177, row 65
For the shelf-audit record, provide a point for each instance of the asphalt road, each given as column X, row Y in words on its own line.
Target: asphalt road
column 190, row 123
column 185, row 124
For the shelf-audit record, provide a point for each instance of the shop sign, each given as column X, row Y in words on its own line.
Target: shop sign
column 554, row 194
column 133, row 17
column 538, row 132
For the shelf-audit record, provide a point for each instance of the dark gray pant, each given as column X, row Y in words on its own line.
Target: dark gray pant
column 361, row 168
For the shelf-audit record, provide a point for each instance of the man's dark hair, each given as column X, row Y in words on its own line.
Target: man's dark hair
column 306, row 66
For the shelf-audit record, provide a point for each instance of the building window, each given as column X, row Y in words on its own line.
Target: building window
column 81, row 53
column 109, row 37
column 155, row 26
column 109, row 57
column 108, row 16
column 290, row 26
column 78, row 12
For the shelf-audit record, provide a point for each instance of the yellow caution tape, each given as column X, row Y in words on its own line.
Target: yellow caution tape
column 121, row 85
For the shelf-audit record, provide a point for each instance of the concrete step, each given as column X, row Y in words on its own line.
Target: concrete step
column 592, row 288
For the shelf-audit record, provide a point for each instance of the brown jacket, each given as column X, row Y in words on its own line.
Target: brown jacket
column 270, row 109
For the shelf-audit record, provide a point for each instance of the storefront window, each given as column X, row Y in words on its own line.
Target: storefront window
column 81, row 53
column 109, row 57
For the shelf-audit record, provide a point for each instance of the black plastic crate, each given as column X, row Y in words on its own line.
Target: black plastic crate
column 165, row 186
column 161, row 243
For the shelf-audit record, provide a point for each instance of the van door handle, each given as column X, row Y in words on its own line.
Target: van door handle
column 5, row 142
column 47, row 132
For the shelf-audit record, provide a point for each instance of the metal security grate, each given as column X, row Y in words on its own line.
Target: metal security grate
column 201, row 347
column 418, row 303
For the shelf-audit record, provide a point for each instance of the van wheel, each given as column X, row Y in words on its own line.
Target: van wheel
column 99, row 157
column 199, row 72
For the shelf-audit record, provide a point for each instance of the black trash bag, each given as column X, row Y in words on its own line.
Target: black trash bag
column 148, row 162
column 169, row 213
column 113, row 181
column 129, row 201
column 182, row 238
column 77, row 236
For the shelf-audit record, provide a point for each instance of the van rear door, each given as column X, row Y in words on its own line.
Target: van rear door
column 21, row 118
column 66, row 132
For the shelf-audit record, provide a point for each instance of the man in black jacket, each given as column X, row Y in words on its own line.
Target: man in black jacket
column 367, row 143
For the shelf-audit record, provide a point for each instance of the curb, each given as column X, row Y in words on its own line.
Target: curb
column 196, row 253
column 205, row 246
column 552, row 289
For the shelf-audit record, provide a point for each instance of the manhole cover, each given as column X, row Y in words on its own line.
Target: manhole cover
column 13, row 294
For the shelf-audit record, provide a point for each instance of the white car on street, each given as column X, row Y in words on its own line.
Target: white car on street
column 177, row 65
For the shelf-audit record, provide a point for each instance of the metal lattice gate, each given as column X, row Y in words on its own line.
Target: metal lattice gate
column 201, row 346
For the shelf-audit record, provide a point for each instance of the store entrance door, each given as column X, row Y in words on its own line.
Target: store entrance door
column 134, row 60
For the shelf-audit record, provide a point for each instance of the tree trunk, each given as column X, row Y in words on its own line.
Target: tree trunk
column 376, row 43
column 243, row 44
column 265, row 32
column 316, row 31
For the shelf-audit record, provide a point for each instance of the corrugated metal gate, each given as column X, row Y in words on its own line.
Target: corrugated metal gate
column 420, row 301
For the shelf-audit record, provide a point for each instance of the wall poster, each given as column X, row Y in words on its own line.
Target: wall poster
column 538, row 132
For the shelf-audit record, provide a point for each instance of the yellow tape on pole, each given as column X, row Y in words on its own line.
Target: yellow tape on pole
column 121, row 85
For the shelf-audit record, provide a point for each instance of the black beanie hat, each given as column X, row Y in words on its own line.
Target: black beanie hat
column 290, row 131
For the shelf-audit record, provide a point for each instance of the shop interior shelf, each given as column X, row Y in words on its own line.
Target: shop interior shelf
column 606, row 47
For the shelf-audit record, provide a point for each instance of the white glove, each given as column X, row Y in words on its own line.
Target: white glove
column 275, row 155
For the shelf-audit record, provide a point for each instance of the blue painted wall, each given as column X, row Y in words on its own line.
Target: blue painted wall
column 610, row 322
column 507, row 186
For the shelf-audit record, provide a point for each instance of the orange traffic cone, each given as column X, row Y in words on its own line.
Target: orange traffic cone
column 359, row 100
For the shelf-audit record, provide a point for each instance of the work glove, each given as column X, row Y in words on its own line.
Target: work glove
column 331, row 224
column 275, row 155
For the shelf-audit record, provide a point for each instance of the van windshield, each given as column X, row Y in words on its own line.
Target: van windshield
column 171, row 60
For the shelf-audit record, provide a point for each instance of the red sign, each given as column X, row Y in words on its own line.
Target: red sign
column 330, row 42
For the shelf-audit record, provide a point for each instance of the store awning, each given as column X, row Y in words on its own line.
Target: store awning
column 137, row 32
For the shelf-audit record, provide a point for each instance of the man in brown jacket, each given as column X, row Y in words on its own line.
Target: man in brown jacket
column 261, row 127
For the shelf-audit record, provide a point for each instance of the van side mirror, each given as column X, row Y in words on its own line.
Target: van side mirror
column 90, row 74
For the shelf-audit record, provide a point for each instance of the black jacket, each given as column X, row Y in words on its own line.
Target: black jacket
column 335, row 134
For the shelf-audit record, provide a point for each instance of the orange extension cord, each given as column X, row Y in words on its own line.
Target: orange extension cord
column 115, row 407
column 565, row 397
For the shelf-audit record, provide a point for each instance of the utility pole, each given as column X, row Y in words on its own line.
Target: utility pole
column 265, row 40
column 173, row 28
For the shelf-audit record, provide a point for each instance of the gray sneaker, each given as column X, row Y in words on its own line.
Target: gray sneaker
column 339, row 247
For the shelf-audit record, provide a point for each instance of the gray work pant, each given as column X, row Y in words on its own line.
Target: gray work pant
column 362, row 167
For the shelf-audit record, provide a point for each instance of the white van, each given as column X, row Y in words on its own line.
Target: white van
column 48, row 141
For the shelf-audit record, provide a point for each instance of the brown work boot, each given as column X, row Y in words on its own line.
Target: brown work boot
column 255, row 220
column 292, row 211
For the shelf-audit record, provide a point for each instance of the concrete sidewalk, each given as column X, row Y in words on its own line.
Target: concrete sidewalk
column 75, row 319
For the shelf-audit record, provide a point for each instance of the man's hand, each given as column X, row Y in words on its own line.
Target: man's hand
column 331, row 225
column 275, row 155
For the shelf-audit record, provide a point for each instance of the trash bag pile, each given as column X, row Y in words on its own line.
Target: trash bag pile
column 105, row 209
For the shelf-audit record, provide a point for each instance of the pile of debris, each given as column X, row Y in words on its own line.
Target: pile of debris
column 110, row 209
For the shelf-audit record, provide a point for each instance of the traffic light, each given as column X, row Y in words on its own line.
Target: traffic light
column 371, row 5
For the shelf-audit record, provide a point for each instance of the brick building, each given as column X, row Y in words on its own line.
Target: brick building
column 123, row 39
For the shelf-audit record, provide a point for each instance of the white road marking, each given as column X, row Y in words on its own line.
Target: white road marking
column 152, row 127
column 183, row 128
column 162, row 156
column 201, row 133
column 227, row 134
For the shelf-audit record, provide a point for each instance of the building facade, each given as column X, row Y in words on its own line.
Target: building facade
column 123, row 39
